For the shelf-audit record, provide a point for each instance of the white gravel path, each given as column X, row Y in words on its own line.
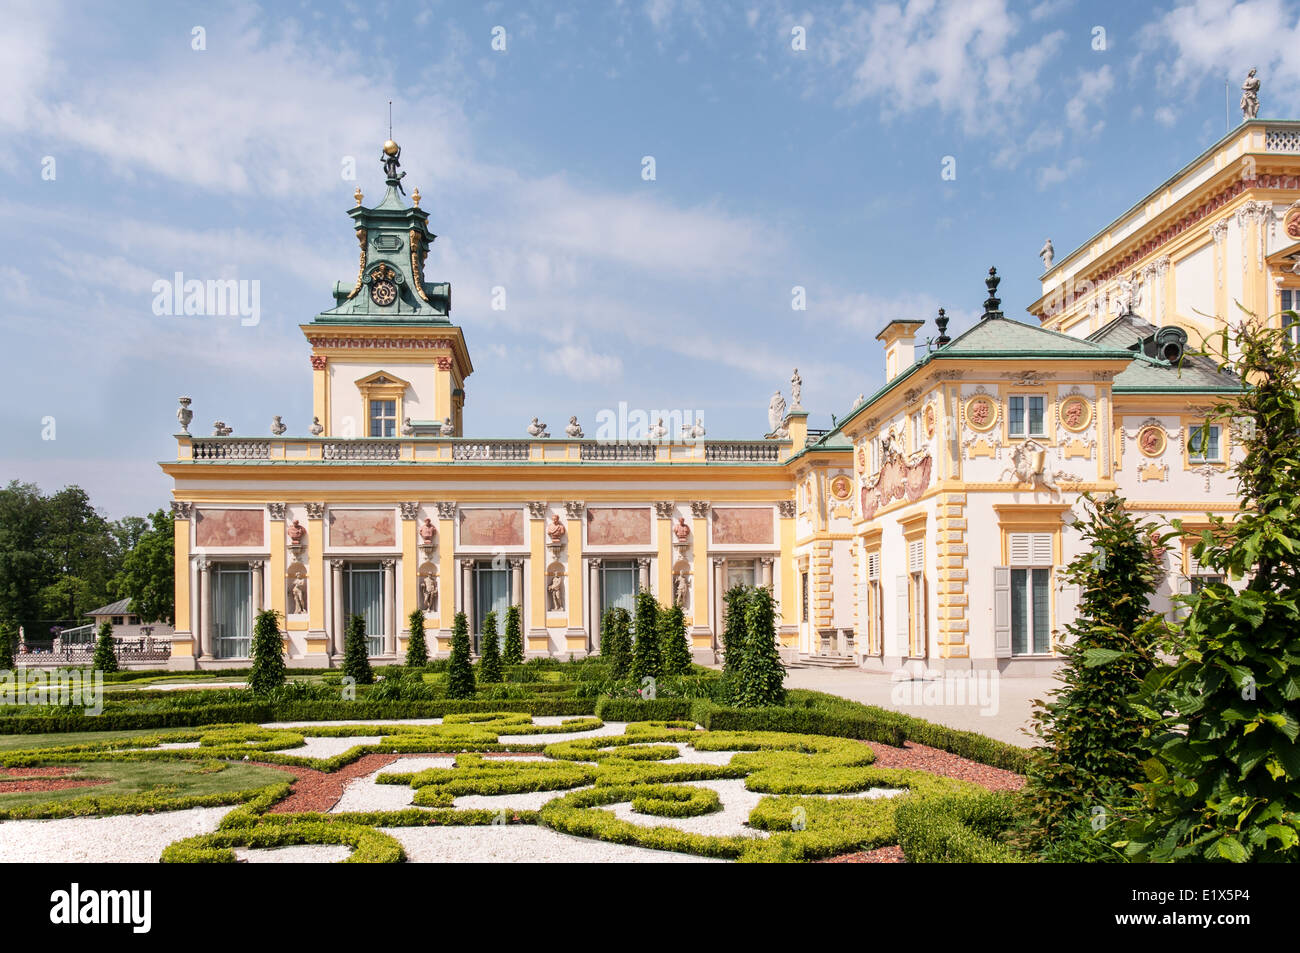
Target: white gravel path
column 127, row 838
column 319, row 746
column 522, row 844
column 294, row 854
column 363, row 794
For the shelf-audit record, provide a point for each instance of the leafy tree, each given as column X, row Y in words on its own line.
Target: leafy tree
column 417, row 650
column 646, row 659
column 25, row 568
column 733, row 637
column 81, row 553
column 1090, row 734
column 513, row 653
column 489, row 650
column 760, row 678
column 616, row 641
column 268, row 672
column 356, row 653
column 460, row 672
column 105, row 657
column 148, row 573
column 673, row 646
column 8, row 640
column 1224, row 779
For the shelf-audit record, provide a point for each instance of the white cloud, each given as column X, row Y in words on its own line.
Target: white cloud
column 1057, row 173
column 1092, row 87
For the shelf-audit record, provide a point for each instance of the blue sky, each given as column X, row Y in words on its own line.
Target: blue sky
column 775, row 167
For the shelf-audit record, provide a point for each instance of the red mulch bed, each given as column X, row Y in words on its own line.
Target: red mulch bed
column 47, row 771
column 47, row 784
column 944, row 763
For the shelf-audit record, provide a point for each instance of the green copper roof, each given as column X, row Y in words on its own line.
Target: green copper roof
column 1003, row 337
column 1195, row 373
column 394, row 241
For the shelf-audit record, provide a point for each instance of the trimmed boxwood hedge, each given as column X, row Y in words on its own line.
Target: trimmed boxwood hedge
column 804, row 721
column 957, row 828
column 632, row 709
column 370, row 846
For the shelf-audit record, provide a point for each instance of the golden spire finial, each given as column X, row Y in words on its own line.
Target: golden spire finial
column 357, row 195
column 415, row 197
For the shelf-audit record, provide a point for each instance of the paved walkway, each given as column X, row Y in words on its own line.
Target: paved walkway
column 994, row 706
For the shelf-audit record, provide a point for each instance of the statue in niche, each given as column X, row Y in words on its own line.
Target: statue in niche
column 682, row 531
column 429, row 592
column 556, row 592
column 428, row 532
column 681, row 589
column 298, row 593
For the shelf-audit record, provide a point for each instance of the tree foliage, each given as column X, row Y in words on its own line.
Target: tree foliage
column 268, row 672
column 733, row 630
column 417, row 649
column 460, row 671
column 1224, row 778
column 105, row 657
column 489, row 650
column 673, row 645
column 356, row 652
column 512, row 653
column 616, row 641
column 760, row 677
column 1090, row 734
column 8, row 643
column 148, row 571
column 647, row 661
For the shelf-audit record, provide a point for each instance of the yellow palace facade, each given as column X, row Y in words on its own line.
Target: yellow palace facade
column 927, row 530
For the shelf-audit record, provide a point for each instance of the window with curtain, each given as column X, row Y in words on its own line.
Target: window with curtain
column 232, row 611
column 363, row 595
column 741, row 572
column 492, row 584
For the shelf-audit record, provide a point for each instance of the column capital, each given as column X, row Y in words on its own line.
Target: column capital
column 536, row 510
column 388, row 563
column 315, row 511
column 700, row 509
column 574, row 509
column 594, row 561
column 643, row 562
column 786, row 509
column 181, row 510
column 446, row 511
column 410, row 511
column 516, row 562
column 276, row 511
column 256, row 564
column 664, row 509
column 202, row 563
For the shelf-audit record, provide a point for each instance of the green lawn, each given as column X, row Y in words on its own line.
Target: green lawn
column 170, row 778
column 59, row 738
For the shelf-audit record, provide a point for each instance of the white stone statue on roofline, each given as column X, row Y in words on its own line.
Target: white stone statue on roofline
column 537, row 429
column 796, row 390
column 573, row 428
column 775, row 412
column 697, row 429
column 658, row 431
column 1250, row 96
column 1047, row 253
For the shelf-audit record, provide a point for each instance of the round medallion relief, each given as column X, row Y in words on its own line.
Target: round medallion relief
column 981, row 412
column 1152, row 440
column 929, row 421
column 1076, row 413
column 841, row 487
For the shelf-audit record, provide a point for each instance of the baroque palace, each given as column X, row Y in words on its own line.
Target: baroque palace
column 927, row 530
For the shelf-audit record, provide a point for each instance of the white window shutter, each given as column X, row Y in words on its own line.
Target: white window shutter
column 1019, row 549
column 1041, row 545
column 1067, row 607
column 1002, row 611
column 873, row 565
column 916, row 555
column 902, row 618
column 1180, row 610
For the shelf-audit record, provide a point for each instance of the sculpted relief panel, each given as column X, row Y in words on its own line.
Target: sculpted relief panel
column 362, row 528
column 742, row 525
column 229, row 528
column 618, row 526
column 502, row 526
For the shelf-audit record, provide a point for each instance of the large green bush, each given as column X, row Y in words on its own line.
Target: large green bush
column 673, row 645
column 616, row 641
column 760, row 678
column 356, row 653
column 268, row 671
column 460, row 671
column 1224, row 779
column 1090, row 734
column 8, row 639
column 105, row 657
column 417, row 648
column 647, row 661
column 489, row 650
column 512, row 653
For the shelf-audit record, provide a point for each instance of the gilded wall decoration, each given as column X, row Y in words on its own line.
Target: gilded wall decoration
column 1152, row 440
column 618, row 525
column 841, row 487
column 229, row 528
column 742, row 525
column 897, row 480
column 492, row 526
column 929, row 421
column 1076, row 414
column 362, row 528
column 981, row 413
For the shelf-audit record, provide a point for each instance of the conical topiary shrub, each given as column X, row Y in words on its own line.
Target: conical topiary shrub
column 489, row 650
column 513, row 651
column 646, row 659
column 616, row 642
column 268, row 672
column 460, row 671
column 674, row 648
column 760, row 680
column 356, row 654
column 733, row 638
column 105, row 657
column 417, row 649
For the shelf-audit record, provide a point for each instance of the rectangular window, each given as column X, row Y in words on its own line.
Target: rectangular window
column 875, row 606
column 917, row 602
column 740, row 572
column 492, row 586
column 1203, row 444
column 383, row 418
column 363, row 595
column 1290, row 322
column 232, row 610
column 1030, row 612
column 1026, row 416
column 803, row 593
